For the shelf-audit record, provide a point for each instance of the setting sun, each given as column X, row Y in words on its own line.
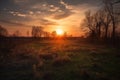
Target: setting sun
column 59, row 31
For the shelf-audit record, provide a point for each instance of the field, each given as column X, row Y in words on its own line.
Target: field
column 57, row 59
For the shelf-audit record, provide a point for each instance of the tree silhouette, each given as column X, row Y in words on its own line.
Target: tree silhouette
column 65, row 34
column 3, row 32
column 89, row 22
column 37, row 31
column 54, row 34
column 111, row 18
column 46, row 34
column 102, row 23
column 17, row 33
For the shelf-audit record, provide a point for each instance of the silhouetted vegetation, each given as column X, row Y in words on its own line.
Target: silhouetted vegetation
column 3, row 32
column 103, row 24
column 54, row 34
column 37, row 31
column 16, row 34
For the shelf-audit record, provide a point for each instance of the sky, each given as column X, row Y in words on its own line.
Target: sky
column 50, row 14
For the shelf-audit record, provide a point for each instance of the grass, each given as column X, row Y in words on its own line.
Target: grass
column 58, row 60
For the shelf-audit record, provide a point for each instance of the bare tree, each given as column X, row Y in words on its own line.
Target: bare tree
column 46, row 34
column 98, row 18
column 106, row 22
column 54, row 34
column 65, row 34
column 109, row 7
column 17, row 33
column 102, row 22
column 90, row 23
column 37, row 31
column 3, row 32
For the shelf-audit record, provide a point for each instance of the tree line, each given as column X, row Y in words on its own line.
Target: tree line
column 36, row 32
column 104, row 23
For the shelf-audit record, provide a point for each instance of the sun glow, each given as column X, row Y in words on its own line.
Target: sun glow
column 59, row 31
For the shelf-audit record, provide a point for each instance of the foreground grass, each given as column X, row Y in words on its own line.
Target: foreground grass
column 58, row 60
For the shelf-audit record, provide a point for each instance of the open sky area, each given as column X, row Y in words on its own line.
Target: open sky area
column 51, row 14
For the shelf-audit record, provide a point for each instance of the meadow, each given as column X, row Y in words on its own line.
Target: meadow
column 57, row 59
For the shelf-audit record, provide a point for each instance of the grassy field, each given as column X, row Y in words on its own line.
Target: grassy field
column 57, row 59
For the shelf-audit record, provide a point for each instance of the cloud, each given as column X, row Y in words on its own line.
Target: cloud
column 41, row 6
column 21, row 15
column 61, row 15
column 13, row 23
column 78, row 2
column 20, row 1
column 46, row 22
column 85, row 7
column 66, row 5
column 45, row 7
column 17, row 14
column 53, row 8
column 31, row 12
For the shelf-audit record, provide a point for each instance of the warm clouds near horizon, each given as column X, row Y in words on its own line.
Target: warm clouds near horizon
column 66, row 15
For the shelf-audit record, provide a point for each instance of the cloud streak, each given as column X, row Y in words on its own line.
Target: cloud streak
column 14, row 23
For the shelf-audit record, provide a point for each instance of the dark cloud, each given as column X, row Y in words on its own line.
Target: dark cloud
column 13, row 23
column 46, row 22
column 76, row 2
column 62, row 15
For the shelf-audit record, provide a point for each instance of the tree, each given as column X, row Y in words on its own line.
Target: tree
column 16, row 33
column 54, row 34
column 98, row 18
column 46, row 34
column 37, row 31
column 109, row 7
column 106, row 21
column 3, row 32
column 65, row 34
column 89, row 23
column 102, row 22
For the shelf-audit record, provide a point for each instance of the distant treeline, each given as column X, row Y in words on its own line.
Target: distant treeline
column 36, row 32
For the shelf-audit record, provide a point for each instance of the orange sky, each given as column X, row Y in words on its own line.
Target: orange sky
column 50, row 15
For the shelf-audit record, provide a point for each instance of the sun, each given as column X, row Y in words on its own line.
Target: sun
column 59, row 31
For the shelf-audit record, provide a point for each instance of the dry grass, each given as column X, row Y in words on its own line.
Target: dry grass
column 61, row 60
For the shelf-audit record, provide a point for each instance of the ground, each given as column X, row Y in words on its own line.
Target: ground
column 57, row 59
